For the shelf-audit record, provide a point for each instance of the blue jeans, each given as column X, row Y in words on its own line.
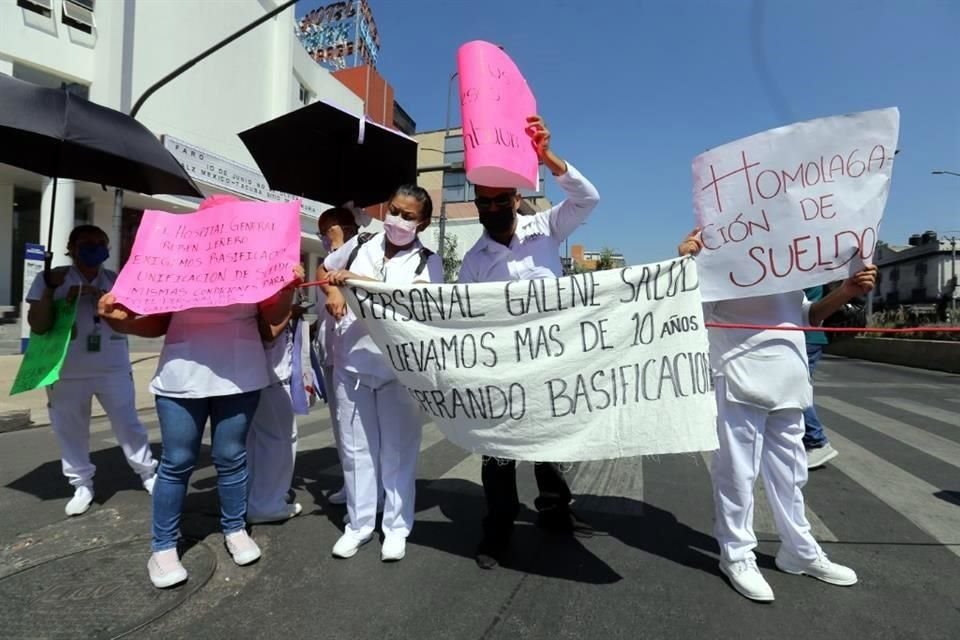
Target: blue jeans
column 182, row 421
column 813, row 435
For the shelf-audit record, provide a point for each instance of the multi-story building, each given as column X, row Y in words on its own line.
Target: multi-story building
column 591, row 260
column 440, row 165
column 922, row 273
column 111, row 52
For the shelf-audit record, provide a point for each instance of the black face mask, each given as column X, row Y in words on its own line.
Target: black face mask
column 497, row 221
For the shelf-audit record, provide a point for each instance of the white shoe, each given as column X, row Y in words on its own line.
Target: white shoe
column 81, row 500
column 348, row 545
column 746, row 578
column 393, row 549
column 291, row 511
column 165, row 569
column 338, row 497
column 821, row 568
column 242, row 547
column 820, row 456
column 149, row 482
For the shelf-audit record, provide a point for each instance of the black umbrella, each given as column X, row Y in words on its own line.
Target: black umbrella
column 58, row 134
column 324, row 153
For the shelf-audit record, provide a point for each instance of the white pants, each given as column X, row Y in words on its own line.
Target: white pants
column 380, row 434
column 331, row 390
column 70, row 402
column 271, row 451
column 770, row 443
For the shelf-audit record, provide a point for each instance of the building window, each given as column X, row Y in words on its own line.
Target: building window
column 303, row 95
column 920, row 269
column 895, row 274
column 79, row 14
column 43, row 7
column 453, row 149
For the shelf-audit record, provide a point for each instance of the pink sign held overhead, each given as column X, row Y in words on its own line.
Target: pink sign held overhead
column 495, row 102
column 220, row 255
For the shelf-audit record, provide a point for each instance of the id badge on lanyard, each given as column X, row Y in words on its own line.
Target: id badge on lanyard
column 93, row 340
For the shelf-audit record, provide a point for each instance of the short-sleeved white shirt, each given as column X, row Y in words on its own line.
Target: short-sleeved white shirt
column 212, row 351
column 766, row 369
column 355, row 351
column 114, row 354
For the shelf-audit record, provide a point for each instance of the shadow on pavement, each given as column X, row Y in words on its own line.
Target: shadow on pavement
column 953, row 497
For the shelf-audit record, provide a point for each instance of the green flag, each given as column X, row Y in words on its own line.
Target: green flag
column 45, row 353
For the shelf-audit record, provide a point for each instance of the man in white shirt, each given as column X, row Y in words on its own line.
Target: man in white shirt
column 516, row 247
column 762, row 388
column 97, row 364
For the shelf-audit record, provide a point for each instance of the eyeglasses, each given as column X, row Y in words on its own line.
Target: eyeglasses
column 502, row 201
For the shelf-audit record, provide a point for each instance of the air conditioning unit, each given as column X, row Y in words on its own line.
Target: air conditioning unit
column 79, row 15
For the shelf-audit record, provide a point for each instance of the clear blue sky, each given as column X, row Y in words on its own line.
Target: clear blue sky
column 632, row 90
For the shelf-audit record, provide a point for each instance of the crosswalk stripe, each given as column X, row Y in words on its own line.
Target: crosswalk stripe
column 880, row 385
column 763, row 521
column 903, row 492
column 949, row 417
column 467, row 469
column 929, row 443
column 599, row 479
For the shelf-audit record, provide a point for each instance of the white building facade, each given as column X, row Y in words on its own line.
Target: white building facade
column 112, row 51
column 921, row 274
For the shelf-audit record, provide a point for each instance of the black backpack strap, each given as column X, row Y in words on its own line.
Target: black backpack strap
column 361, row 239
column 424, row 257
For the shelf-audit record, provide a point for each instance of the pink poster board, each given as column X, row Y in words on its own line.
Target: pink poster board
column 495, row 102
column 221, row 255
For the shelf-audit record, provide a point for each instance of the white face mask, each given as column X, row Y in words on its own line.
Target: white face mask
column 399, row 232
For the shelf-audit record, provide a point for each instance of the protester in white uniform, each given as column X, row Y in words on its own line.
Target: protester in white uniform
column 335, row 227
column 272, row 439
column 516, row 247
column 97, row 364
column 762, row 388
column 379, row 422
column 212, row 366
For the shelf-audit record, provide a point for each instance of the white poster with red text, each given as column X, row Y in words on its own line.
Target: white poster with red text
column 793, row 207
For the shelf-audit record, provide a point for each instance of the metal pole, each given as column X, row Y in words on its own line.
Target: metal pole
column 953, row 274
column 118, row 194
column 443, row 201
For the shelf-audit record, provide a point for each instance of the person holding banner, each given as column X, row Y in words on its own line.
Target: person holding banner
column 380, row 426
column 97, row 364
column 815, row 441
column 762, row 387
column 335, row 227
column 515, row 248
column 212, row 366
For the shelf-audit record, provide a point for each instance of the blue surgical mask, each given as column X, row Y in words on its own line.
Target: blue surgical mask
column 92, row 255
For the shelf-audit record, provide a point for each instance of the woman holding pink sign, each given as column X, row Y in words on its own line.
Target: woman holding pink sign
column 380, row 427
column 212, row 366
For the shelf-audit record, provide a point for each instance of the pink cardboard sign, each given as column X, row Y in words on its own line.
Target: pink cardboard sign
column 495, row 102
column 221, row 255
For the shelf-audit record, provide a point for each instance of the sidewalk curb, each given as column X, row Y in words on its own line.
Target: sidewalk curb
column 15, row 420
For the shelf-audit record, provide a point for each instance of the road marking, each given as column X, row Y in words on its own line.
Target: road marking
column 950, row 417
column 763, row 521
column 598, row 480
column 929, row 443
column 905, row 493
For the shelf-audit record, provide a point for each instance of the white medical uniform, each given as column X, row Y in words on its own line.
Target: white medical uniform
column 380, row 426
column 272, row 439
column 105, row 374
column 534, row 251
column 762, row 388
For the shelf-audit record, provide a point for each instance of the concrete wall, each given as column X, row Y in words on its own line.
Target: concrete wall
column 46, row 42
column 939, row 355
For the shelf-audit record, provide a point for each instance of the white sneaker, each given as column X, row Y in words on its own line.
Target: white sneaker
column 291, row 511
column 149, row 482
column 338, row 497
column 348, row 545
column 242, row 547
column 165, row 569
column 820, row 456
column 393, row 549
column 746, row 578
column 821, row 568
column 81, row 500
